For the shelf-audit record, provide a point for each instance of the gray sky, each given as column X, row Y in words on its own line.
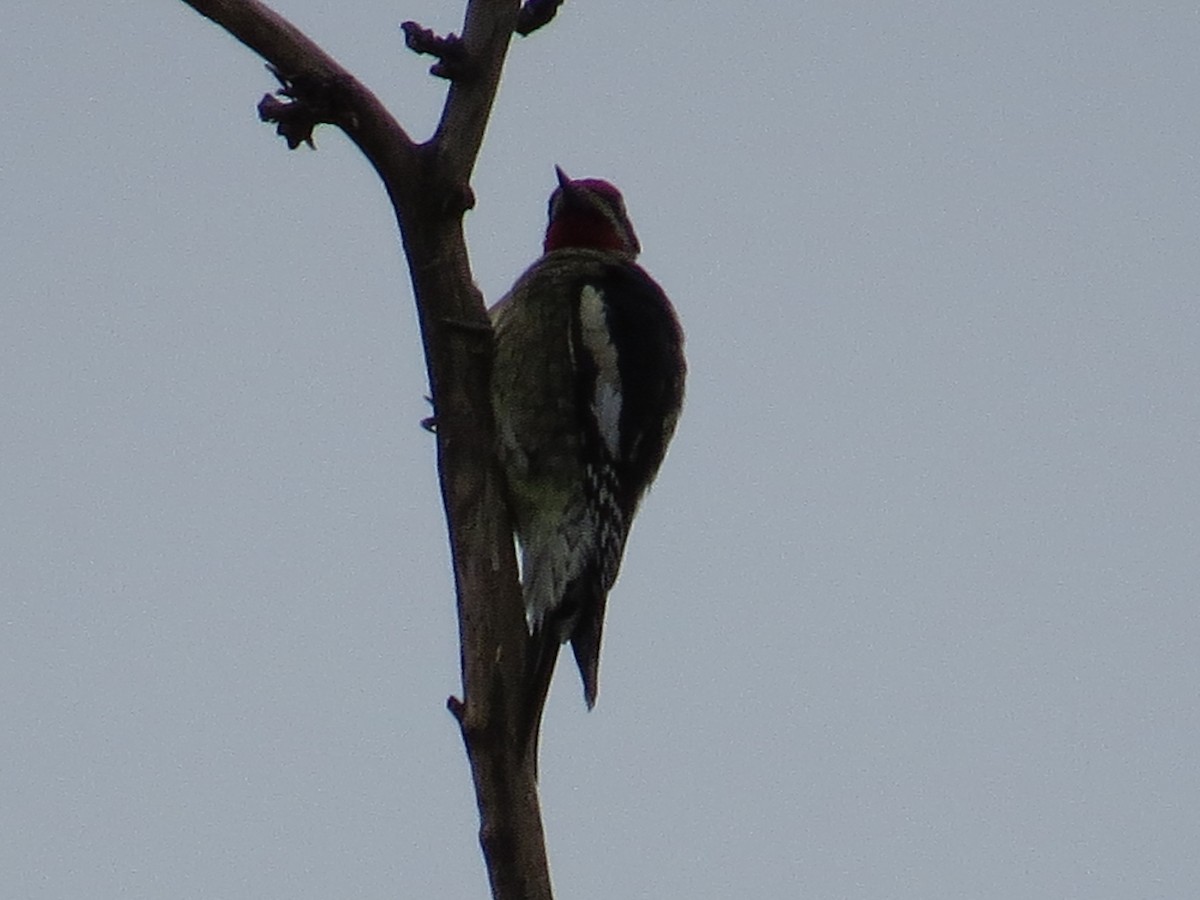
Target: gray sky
column 912, row 610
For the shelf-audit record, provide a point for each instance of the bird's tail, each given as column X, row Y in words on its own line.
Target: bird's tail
column 585, row 641
column 580, row 617
column 542, row 654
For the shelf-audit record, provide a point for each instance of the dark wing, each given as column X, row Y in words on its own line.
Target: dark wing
column 652, row 370
column 646, row 330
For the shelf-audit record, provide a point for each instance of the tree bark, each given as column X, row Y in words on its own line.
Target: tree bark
column 429, row 187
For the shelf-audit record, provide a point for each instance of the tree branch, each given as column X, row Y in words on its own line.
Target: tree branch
column 308, row 71
column 429, row 187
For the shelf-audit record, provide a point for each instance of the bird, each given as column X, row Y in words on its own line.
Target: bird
column 587, row 386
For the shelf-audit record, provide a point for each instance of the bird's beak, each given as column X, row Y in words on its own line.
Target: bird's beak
column 571, row 193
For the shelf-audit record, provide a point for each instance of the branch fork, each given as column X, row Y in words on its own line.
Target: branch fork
column 429, row 186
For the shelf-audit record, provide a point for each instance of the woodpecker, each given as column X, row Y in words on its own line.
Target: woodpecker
column 587, row 386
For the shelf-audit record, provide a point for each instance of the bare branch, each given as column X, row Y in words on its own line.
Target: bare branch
column 319, row 89
column 429, row 186
column 534, row 14
column 487, row 32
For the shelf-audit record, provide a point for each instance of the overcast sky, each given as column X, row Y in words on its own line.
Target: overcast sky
column 912, row 609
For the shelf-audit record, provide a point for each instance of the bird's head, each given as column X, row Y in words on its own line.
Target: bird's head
column 589, row 213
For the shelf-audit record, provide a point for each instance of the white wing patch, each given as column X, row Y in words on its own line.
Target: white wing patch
column 606, row 401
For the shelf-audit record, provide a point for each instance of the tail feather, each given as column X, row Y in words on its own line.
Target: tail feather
column 579, row 618
column 585, row 641
column 542, row 654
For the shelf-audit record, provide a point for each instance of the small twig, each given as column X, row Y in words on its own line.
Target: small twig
column 453, row 61
column 310, row 102
column 429, row 423
column 534, row 14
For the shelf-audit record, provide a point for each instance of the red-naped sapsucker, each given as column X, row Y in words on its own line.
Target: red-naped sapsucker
column 587, row 387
